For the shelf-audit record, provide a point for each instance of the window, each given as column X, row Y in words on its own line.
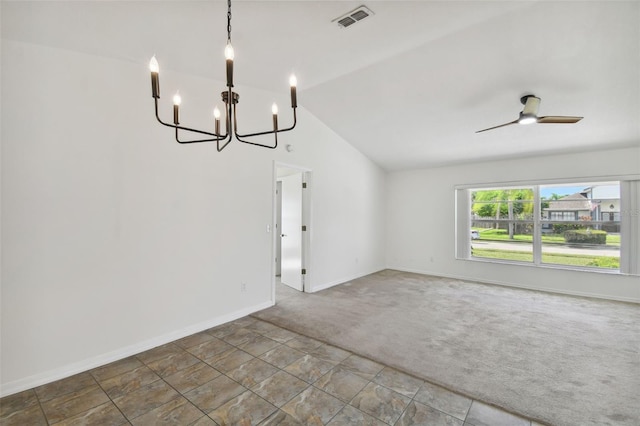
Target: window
column 577, row 225
column 563, row 215
column 503, row 216
column 579, row 236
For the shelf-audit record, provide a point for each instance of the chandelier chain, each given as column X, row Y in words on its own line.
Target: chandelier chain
column 229, row 21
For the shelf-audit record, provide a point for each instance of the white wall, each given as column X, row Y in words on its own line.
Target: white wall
column 115, row 238
column 421, row 222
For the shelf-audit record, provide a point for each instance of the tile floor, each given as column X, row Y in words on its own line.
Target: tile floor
column 246, row 372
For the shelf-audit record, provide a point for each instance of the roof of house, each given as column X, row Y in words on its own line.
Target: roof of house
column 571, row 202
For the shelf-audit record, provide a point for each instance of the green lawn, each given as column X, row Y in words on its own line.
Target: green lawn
column 551, row 258
column 503, row 235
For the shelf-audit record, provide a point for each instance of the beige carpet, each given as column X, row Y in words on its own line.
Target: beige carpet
column 559, row 359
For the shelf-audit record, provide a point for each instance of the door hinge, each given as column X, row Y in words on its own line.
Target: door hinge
column 304, row 227
column 304, row 184
column 304, row 271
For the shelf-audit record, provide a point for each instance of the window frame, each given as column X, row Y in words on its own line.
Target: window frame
column 629, row 223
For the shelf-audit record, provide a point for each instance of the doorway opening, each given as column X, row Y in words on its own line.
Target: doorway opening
column 291, row 229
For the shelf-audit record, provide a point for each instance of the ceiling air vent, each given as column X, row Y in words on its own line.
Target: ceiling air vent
column 352, row 17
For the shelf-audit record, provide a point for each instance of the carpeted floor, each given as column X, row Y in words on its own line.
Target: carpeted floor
column 562, row 360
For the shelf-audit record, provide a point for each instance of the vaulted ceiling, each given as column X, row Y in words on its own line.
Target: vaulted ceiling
column 409, row 85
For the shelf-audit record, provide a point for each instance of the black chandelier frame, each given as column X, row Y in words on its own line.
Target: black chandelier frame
column 230, row 100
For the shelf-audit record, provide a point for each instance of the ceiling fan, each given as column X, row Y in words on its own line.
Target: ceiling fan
column 529, row 115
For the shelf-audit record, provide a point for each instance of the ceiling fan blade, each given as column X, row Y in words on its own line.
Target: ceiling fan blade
column 496, row 127
column 558, row 119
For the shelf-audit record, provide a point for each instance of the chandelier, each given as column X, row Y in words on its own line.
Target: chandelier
column 230, row 100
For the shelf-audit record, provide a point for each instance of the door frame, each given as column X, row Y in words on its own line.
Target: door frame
column 306, row 220
column 277, row 229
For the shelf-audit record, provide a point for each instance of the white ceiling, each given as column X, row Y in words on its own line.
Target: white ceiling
column 408, row 86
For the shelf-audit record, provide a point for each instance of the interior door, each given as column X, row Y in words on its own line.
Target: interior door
column 278, row 228
column 291, row 234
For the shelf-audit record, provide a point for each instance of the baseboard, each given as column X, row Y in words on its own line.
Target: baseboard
column 343, row 280
column 88, row 364
column 514, row 285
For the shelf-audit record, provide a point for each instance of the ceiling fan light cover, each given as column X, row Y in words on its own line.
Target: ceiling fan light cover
column 527, row 119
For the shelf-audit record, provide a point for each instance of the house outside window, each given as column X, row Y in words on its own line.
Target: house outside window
column 576, row 225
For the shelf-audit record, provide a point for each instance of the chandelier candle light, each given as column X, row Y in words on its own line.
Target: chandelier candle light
column 230, row 99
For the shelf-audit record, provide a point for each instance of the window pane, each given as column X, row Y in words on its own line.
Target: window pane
column 502, row 224
column 581, row 224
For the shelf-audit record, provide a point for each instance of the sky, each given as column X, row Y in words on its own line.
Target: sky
column 601, row 189
column 546, row 191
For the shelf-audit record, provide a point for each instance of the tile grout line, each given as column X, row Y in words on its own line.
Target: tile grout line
column 280, row 344
column 110, row 399
column 402, row 371
column 249, row 330
column 172, row 387
column 44, row 414
column 309, row 385
column 49, row 422
column 371, row 381
column 345, row 404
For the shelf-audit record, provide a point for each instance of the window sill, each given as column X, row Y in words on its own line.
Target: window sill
column 545, row 266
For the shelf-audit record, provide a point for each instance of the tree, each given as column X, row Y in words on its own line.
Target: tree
column 510, row 203
column 484, row 203
column 544, row 201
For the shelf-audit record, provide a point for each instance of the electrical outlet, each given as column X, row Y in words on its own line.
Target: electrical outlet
column 243, row 287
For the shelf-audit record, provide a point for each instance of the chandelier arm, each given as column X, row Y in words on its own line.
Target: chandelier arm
column 275, row 145
column 220, row 148
column 228, row 137
column 196, row 140
column 185, row 128
column 238, row 135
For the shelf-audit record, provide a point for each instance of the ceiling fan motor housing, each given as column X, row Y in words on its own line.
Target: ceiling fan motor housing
column 529, row 114
column 531, row 104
